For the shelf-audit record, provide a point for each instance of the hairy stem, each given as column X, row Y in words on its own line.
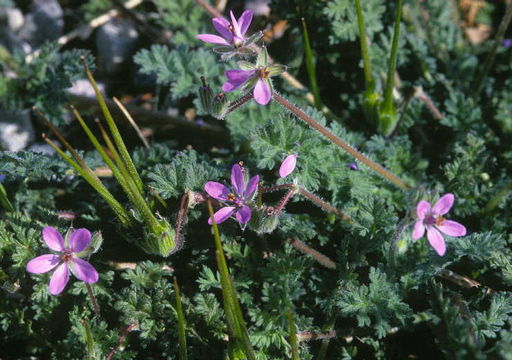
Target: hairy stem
column 318, row 256
column 94, row 302
column 340, row 143
column 390, row 81
column 367, row 65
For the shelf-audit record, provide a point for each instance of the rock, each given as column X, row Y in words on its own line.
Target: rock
column 115, row 41
column 16, row 130
column 44, row 22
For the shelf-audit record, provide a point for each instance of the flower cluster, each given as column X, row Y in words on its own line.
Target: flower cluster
column 249, row 76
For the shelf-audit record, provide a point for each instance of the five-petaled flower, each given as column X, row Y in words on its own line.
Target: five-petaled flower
column 432, row 220
column 288, row 165
column 70, row 252
column 255, row 76
column 241, row 193
column 232, row 40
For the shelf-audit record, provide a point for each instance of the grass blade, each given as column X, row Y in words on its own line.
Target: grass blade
column 310, row 66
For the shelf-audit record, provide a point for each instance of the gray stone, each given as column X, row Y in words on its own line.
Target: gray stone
column 44, row 22
column 16, row 130
column 115, row 42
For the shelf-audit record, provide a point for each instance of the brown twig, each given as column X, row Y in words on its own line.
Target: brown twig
column 124, row 333
column 318, row 256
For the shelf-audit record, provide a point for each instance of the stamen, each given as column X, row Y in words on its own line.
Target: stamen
column 231, row 197
column 439, row 220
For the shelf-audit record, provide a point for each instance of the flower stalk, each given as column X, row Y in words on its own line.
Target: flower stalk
column 4, row 200
column 340, row 143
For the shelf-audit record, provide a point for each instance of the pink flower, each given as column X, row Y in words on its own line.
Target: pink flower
column 255, row 76
column 242, row 192
column 232, row 33
column 288, row 165
column 433, row 221
column 69, row 259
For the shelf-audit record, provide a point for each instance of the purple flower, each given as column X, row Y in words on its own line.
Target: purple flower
column 232, row 33
column 2, row 178
column 432, row 220
column 288, row 165
column 255, row 76
column 241, row 193
column 69, row 258
column 507, row 43
column 353, row 166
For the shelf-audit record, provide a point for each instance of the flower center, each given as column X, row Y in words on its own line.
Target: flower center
column 231, row 197
column 66, row 256
column 263, row 73
column 439, row 220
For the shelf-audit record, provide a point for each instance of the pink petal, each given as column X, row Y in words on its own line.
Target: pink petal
column 245, row 21
column 84, row 271
column 216, row 190
column 436, row 240
column 288, row 165
column 452, row 228
column 419, row 230
column 443, row 205
column 79, row 240
column 222, row 26
column 53, row 238
column 59, row 279
column 423, row 209
column 243, row 215
column 252, row 186
column 238, row 179
column 43, row 263
column 236, row 26
column 212, row 39
column 262, row 93
column 236, row 78
column 222, row 215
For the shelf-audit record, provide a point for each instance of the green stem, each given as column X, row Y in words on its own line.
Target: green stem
column 340, row 143
column 500, row 34
column 5, row 200
column 118, row 140
column 491, row 205
column 231, row 304
column 93, row 180
column 367, row 65
column 390, row 81
column 293, row 336
column 181, row 322
column 310, row 66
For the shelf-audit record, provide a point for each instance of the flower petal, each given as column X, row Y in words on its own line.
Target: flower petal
column 452, row 228
column 443, row 205
column 222, row 214
column 236, row 78
column 423, row 209
column 244, row 21
column 43, row 263
column 236, row 26
column 252, row 186
column 436, row 240
column 238, row 179
column 243, row 215
column 79, row 240
column 262, row 93
column 419, row 230
column 53, row 238
column 222, row 26
column 84, row 271
column 59, row 279
column 216, row 190
column 288, row 165
column 212, row 39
